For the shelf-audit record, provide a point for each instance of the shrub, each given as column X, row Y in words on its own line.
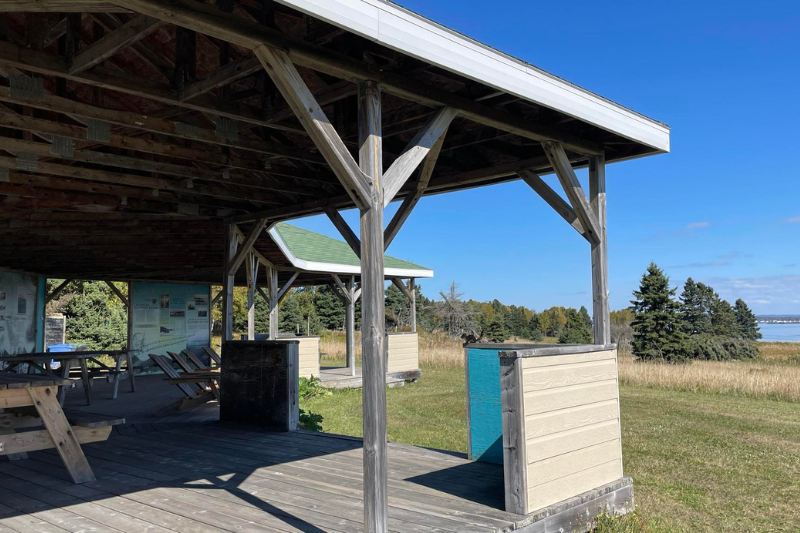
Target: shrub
column 310, row 388
column 715, row 348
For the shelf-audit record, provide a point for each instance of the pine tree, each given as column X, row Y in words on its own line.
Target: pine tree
column 535, row 329
column 695, row 307
column 723, row 319
column 746, row 320
column 657, row 325
column 577, row 329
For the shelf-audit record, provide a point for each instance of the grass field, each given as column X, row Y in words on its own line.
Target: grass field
column 724, row 456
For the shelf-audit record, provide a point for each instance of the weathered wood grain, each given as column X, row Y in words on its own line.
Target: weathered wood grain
column 601, row 320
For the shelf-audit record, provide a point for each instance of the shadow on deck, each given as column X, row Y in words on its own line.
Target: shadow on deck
column 190, row 474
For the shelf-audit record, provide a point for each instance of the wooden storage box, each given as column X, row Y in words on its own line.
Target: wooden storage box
column 259, row 383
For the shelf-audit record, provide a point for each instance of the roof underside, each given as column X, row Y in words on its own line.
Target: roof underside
column 200, row 134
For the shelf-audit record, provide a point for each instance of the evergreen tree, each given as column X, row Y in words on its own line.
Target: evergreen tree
column 657, row 325
column 723, row 319
column 577, row 330
column 95, row 317
column 535, row 329
column 496, row 329
column 695, row 307
column 746, row 320
column 330, row 308
column 587, row 319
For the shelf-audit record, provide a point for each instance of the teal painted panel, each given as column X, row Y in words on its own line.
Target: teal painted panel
column 485, row 406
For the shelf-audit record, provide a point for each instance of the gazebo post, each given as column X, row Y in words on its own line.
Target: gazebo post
column 373, row 334
column 228, row 281
column 412, row 289
column 252, row 276
column 273, row 303
column 600, row 307
column 350, row 325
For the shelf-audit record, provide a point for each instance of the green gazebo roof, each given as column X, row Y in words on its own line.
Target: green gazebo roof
column 311, row 251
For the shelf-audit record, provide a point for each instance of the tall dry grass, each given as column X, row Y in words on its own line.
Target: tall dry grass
column 776, row 375
column 753, row 379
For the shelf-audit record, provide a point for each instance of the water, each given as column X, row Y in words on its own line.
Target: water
column 780, row 332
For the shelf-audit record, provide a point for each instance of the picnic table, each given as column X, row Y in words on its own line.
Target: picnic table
column 69, row 360
column 36, row 397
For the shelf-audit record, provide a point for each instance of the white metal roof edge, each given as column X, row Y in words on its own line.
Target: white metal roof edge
column 337, row 268
column 407, row 32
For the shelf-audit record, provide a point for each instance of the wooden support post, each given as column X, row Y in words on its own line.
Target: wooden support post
column 350, row 326
column 231, row 244
column 601, row 319
column 373, row 327
column 273, row 304
column 412, row 288
column 252, row 276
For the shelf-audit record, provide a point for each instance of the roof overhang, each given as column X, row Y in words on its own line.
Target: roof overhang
column 409, row 33
column 336, row 268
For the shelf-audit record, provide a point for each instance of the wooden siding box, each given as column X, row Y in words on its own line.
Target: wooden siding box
column 259, row 383
column 403, row 353
column 561, row 426
column 309, row 356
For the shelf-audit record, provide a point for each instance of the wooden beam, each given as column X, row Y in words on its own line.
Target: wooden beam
column 124, row 299
column 252, row 276
column 552, row 198
column 572, row 187
column 235, row 179
column 223, row 76
column 288, row 285
column 344, row 229
column 12, row 120
column 415, row 153
column 206, row 19
column 55, row 292
column 341, row 286
column 196, row 190
column 373, row 327
column 601, row 319
column 399, row 284
column 60, row 6
column 411, row 200
column 44, row 63
column 308, row 111
column 246, row 246
column 129, row 33
column 350, row 326
column 412, row 287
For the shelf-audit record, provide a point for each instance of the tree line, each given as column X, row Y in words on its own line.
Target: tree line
column 697, row 325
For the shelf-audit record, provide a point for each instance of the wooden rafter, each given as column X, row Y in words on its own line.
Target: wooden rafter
column 224, row 76
column 213, row 22
column 246, row 246
column 308, row 111
column 128, row 34
column 118, row 293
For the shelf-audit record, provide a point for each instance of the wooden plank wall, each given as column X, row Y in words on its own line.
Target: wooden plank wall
column 403, row 352
column 569, row 421
column 309, row 356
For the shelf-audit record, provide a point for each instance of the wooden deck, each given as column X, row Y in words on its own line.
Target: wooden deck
column 188, row 472
column 209, row 477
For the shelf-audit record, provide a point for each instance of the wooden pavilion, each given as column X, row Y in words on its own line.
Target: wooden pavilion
column 150, row 139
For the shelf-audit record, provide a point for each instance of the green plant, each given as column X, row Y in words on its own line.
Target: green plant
column 311, row 387
column 310, row 421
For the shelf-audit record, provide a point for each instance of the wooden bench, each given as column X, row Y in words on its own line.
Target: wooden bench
column 213, row 355
column 205, row 386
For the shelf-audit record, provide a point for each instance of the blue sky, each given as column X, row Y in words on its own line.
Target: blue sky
column 722, row 207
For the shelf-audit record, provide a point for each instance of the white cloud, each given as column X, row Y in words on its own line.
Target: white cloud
column 697, row 225
column 767, row 294
column 791, row 220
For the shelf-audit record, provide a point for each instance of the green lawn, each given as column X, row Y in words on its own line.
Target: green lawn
column 700, row 462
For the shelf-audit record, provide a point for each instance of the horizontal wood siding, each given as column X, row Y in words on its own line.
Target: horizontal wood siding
column 572, row 429
column 403, row 352
column 309, row 356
